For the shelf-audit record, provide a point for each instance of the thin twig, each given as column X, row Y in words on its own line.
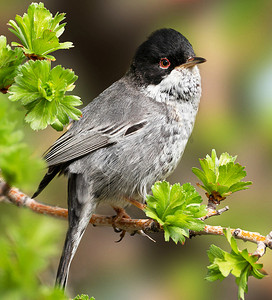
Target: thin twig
column 213, row 212
column 238, row 233
column 261, row 248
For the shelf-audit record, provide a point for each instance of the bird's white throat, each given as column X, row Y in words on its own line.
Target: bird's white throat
column 181, row 84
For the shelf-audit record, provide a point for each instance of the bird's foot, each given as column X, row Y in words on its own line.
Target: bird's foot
column 120, row 214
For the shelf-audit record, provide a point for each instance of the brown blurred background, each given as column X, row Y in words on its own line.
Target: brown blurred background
column 235, row 116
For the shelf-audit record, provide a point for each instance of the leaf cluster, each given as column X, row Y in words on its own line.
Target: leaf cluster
column 42, row 92
column 238, row 263
column 9, row 62
column 221, row 176
column 176, row 208
column 39, row 32
column 17, row 165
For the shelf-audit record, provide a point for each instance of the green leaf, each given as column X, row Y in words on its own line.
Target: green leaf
column 177, row 234
column 177, row 208
column 214, row 252
column 9, row 63
column 17, row 165
column 214, row 273
column 242, row 283
column 43, row 113
column 42, row 92
column 39, row 32
column 230, row 174
column 161, row 191
column 221, row 176
column 238, row 263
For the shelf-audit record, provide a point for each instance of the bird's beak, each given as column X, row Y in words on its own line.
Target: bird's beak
column 192, row 61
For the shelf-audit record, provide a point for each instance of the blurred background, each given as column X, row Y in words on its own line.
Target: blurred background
column 235, row 116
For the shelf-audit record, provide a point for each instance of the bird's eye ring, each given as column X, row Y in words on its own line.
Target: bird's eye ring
column 164, row 63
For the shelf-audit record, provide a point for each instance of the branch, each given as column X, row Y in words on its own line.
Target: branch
column 213, row 212
column 16, row 197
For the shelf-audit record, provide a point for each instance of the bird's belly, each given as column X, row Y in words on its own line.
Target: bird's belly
column 172, row 153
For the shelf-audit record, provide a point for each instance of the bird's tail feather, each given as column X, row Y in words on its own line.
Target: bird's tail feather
column 51, row 173
column 81, row 208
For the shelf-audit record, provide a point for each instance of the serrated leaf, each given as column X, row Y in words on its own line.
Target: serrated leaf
column 238, row 263
column 230, row 174
column 242, row 283
column 214, row 252
column 39, row 31
column 209, row 171
column 192, row 196
column 177, row 234
column 221, row 176
column 184, row 221
column 161, row 191
column 42, row 92
column 202, row 211
column 256, row 273
column 43, row 113
column 176, row 196
column 231, row 241
column 214, row 274
column 71, row 111
column 177, row 208
column 201, row 175
column 240, row 186
column 233, row 264
column 45, row 44
column 9, row 63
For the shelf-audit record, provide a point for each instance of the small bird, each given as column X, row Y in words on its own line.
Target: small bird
column 132, row 135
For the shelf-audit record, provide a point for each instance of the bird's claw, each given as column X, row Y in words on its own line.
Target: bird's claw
column 120, row 214
column 122, row 234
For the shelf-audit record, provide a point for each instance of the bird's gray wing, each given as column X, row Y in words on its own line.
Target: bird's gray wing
column 116, row 113
column 70, row 147
column 73, row 145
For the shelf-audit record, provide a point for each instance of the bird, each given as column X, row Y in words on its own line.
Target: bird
column 131, row 135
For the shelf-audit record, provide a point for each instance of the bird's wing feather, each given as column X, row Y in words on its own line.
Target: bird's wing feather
column 124, row 116
column 74, row 147
column 71, row 146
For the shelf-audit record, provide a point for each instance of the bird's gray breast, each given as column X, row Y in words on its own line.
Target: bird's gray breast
column 175, row 134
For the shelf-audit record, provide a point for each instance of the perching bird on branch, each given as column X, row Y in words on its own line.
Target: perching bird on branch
column 133, row 134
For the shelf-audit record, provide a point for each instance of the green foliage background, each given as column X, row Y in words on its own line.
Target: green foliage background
column 235, row 116
column 26, row 249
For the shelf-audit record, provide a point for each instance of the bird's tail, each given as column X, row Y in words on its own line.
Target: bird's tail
column 51, row 173
column 81, row 208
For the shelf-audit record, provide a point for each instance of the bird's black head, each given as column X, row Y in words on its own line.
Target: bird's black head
column 164, row 50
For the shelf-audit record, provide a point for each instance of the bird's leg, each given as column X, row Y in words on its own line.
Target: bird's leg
column 121, row 213
column 136, row 203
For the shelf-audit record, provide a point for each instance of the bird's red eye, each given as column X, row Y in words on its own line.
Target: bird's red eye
column 164, row 63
